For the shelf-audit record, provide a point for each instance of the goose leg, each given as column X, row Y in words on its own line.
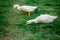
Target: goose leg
column 28, row 14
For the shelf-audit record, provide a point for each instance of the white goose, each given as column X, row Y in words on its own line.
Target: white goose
column 25, row 8
column 43, row 18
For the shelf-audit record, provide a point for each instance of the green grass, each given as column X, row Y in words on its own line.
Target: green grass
column 13, row 23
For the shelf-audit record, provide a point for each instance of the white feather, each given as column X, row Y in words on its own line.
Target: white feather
column 25, row 8
column 44, row 18
column 16, row 6
column 28, row 8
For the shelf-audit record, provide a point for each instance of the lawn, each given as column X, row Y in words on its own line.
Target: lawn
column 13, row 23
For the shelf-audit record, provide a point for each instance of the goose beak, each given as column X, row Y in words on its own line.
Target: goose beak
column 14, row 9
